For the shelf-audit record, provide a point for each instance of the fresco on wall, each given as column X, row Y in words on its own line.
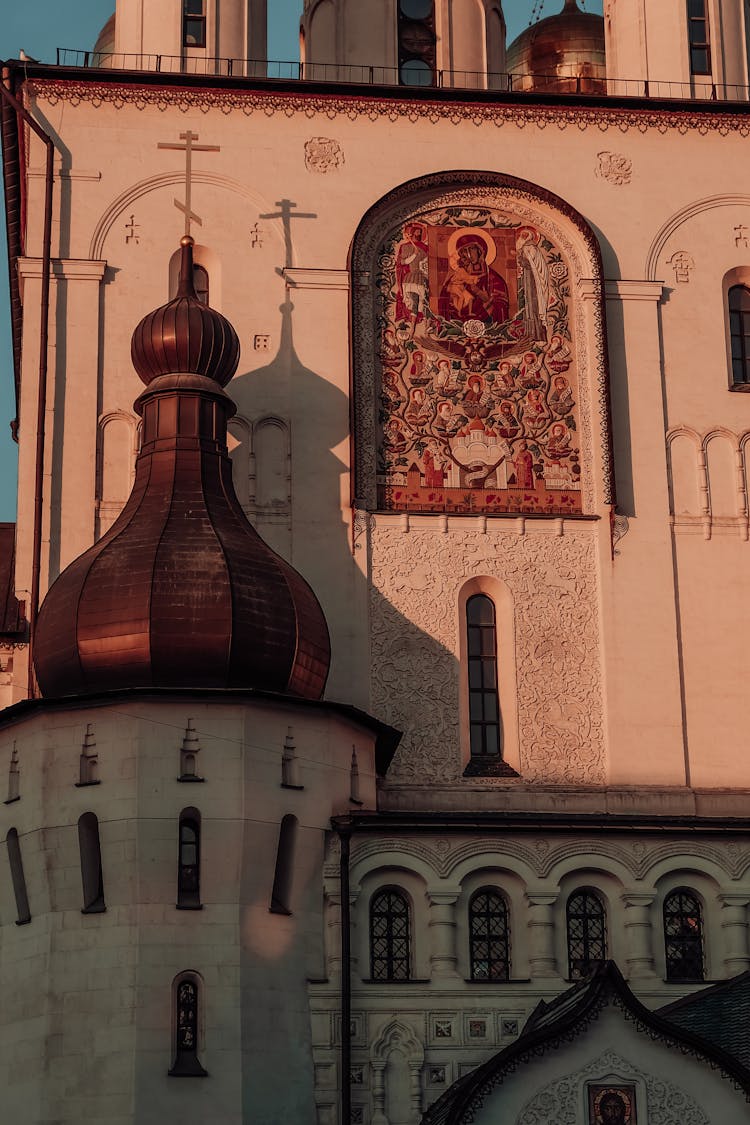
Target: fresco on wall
column 478, row 393
column 612, row 1105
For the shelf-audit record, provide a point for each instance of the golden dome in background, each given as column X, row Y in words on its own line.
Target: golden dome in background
column 561, row 54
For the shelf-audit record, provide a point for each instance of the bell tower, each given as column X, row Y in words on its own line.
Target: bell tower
column 699, row 44
column 191, row 31
column 405, row 42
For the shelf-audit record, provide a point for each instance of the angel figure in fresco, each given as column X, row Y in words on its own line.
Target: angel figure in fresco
column 394, row 438
column 473, row 290
column 412, row 273
column 536, row 283
column 476, row 398
column 389, row 386
column 504, row 383
column 444, row 378
column 447, row 421
column 390, row 350
column 558, row 355
column 523, row 464
column 506, row 421
column 561, row 399
column 530, row 374
column 417, row 374
column 418, row 409
column 534, row 413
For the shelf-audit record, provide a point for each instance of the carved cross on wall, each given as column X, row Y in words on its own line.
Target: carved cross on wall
column 188, row 148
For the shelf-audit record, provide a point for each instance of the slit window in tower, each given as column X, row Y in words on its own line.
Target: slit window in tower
column 488, row 936
column 587, row 942
column 416, row 43
column 91, row 864
column 739, row 332
column 23, row 914
column 683, row 936
column 484, row 704
column 281, row 895
column 698, row 37
column 188, row 872
column 187, row 998
column 194, row 23
column 200, row 283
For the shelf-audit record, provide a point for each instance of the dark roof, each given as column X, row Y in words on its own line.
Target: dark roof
column 720, row 1014
column 562, row 1019
column 12, row 620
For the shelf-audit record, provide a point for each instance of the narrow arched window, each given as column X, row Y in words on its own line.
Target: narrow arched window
column 200, row 283
column 389, row 936
column 91, row 864
column 489, row 944
column 23, row 914
column 739, row 332
column 699, row 37
column 194, row 23
column 683, row 936
column 281, row 895
column 416, row 43
column 484, row 704
column 587, row 933
column 189, row 861
column 187, row 1027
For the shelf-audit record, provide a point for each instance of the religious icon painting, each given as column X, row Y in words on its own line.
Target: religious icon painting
column 478, row 405
column 612, row 1105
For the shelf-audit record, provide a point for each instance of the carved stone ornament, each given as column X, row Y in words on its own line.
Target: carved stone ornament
column 557, row 1103
column 323, row 154
column 554, row 589
column 210, row 100
column 682, row 263
column 614, row 168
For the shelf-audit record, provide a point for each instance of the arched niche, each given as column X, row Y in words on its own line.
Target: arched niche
column 480, row 370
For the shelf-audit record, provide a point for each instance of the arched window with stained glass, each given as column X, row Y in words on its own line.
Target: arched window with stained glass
column 489, row 937
column 187, row 1027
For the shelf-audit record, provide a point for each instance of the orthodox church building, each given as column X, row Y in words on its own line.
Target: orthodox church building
column 373, row 630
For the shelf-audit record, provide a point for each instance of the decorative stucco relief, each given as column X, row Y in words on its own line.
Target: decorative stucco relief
column 323, row 154
column 557, row 1104
column 614, row 167
column 415, row 580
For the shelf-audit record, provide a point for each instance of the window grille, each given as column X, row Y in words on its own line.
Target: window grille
column 586, row 929
column 683, row 936
column 489, row 951
column 189, row 859
column 739, row 332
column 389, row 936
column 484, row 703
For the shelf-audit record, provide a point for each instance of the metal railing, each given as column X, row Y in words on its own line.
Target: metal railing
column 337, row 73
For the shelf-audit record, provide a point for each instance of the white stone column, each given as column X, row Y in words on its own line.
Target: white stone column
column 415, row 1090
column 378, row 1093
column 442, row 927
column 734, row 927
column 542, row 959
column 639, row 934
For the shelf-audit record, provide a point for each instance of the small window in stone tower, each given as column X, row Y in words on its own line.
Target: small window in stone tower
column 281, row 895
column 187, row 999
column 194, row 23
column 188, row 870
column 200, row 283
column 91, row 864
column 488, row 936
column 586, row 927
column 739, row 333
column 389, row 936
column 683, row 936
column 484, row 704
column 416, row 42
column 23, row 914
column 698, row 37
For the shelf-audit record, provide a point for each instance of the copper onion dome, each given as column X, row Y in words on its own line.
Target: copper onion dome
column 182, row 591
column 560, row 54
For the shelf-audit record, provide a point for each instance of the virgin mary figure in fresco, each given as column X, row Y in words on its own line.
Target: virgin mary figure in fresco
column 473, row 290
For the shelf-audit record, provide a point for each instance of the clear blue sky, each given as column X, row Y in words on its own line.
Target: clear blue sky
column 40, row 26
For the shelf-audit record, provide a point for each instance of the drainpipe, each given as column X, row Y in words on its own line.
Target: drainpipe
column 23, row 114
column 346, row 979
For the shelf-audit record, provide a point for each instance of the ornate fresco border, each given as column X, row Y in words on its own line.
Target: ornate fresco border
column 470, row 188
column 353, row 106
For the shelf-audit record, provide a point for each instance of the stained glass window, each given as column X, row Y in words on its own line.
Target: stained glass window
column 739, row 330
column 484, row 704
column 683, row 936
column 187, row 997
column 389, row 936
column 489, row 950
column 587, row 940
